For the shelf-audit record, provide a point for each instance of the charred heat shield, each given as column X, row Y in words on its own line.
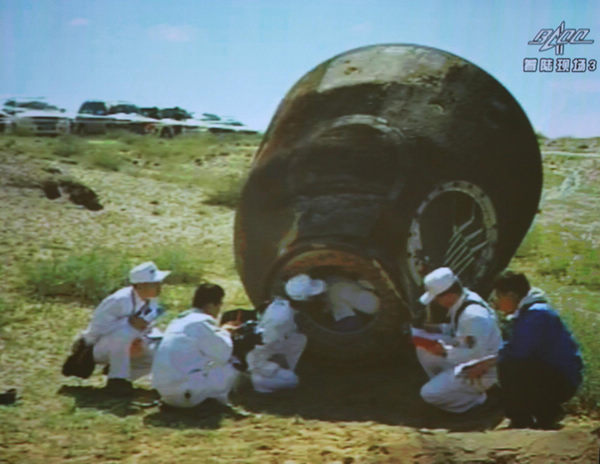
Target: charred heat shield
column 380, row 164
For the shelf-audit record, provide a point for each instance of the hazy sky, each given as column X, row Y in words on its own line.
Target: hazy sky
column 240, row 57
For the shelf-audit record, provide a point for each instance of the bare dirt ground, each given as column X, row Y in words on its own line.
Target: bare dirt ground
column 349, row 415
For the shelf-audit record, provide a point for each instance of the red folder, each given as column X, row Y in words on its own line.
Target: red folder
column 425, row 343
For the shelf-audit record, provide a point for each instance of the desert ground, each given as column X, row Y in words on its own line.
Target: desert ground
column 173, row 201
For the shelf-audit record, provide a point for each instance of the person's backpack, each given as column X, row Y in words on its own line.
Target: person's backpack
column 81, row 362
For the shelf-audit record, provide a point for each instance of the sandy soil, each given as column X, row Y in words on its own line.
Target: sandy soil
column 335, row 416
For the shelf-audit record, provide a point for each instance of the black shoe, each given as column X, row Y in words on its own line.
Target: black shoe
column 550, row 419
column 521, row 423
column 119, row 387
column 548, row 423
column 555, row 425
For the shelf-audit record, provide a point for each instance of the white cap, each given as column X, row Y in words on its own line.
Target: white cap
column 437, row 282
column 302, row 287
column 147, row 273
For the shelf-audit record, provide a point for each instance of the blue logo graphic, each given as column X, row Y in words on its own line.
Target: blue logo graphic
column 557, row 38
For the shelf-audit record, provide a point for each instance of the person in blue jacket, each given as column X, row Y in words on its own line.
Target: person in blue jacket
column 539, row 364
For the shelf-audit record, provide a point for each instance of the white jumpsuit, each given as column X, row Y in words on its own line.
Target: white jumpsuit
column 477, row 335
column 271, row 365
column 112, row 336
column 347, row 296
column 192, row 362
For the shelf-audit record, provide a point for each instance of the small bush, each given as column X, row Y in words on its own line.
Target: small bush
column 88, row 277
column 124, row 136
column 151, row 148
column 69, row 146
column 185, row 266
column 105, row 159
column 224, row 191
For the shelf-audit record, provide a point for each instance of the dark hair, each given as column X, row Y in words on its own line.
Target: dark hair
column 456, row 288
column 206, row 294
column 510, row 281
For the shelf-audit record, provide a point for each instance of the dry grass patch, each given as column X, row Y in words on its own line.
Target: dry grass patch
column 332, row 417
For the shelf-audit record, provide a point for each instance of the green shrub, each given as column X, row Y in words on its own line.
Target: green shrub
column 105, row 159
column 224, row 191
column 88, row 277
column 185, row 266
column 68, row 146
column 151, row 148
column 124, row 136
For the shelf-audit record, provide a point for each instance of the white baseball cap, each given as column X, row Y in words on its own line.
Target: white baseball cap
column 437, row 282
column 302, row 287
column 147, row 273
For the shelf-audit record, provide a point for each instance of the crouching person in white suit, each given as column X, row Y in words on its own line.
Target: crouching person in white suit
column 193, row 360
column 472, row 334
column 271, row 365
column 120, row 326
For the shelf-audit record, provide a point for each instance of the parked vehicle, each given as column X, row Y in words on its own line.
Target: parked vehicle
column 175, row 113
column 36, row 116
column 92, row 118
column 96, row 117
column 175, row 121
column 218, row 124
column 99, row 116
column 170, row 121
column 5, row 122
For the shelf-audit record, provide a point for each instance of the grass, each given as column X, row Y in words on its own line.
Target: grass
column 171, row 201
column 585, row 325
column 22, row 131
column 569, row 144
column 88, row 277
column 561, row 255
column 224, row 191
column 185, row 265
column 105, row 159
column 68, row 146
column 3, row 314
